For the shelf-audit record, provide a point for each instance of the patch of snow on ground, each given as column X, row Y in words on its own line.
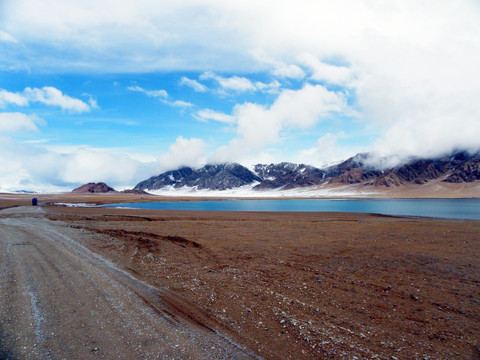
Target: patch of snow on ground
column 247, row 191
column 75, row 204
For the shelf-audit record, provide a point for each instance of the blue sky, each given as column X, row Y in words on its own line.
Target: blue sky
column 118, row 91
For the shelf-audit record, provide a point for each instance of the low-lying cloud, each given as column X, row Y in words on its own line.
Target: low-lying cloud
column 184, row 152
column 39, row 168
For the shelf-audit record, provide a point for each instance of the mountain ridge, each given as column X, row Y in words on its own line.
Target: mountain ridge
column 459, row 167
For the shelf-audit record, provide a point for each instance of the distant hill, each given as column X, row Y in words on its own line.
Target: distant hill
column 99, row 188
column 457, row 168
column 93, row 188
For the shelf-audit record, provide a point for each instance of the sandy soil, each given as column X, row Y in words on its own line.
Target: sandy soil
column 305, row 285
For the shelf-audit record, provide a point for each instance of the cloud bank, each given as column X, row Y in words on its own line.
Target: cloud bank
column 40, row 168
column 184, row 152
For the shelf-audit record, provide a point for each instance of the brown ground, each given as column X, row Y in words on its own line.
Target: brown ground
column 59, row 300
column 307, row 285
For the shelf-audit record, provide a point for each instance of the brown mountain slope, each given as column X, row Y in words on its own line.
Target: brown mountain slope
column 93, row 188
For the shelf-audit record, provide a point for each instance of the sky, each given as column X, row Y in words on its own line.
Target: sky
column 118, row 91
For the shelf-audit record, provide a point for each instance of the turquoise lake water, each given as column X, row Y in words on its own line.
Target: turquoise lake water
column 436, row 208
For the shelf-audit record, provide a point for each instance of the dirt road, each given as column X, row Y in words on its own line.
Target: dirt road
column 59, row 300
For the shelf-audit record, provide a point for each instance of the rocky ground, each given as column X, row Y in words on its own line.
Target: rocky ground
column 306, row 285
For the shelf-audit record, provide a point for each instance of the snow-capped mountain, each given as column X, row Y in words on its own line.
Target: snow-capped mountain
column 360, row 169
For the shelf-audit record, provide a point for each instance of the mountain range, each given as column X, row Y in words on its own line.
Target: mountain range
column 459, row 167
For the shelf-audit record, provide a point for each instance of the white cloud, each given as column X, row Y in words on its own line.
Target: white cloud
column 7, row 38
column 7, row 97
column 427, row 137
column 161, row 94
column 326, row 151
column 181, row 103
column 304, row 107
column 93, row 103
column 119, row 36
column 40, row 168
column 289, row 71
column 194, row 84
column 19, row 122
column 259, row 126
column 279, row 68
column 184, row 152
column 47, row 95
column 321, row 71
column 240, row 84
column 271, row 87
column 208, row 114
column 85, row 164
column 53, row 97
column 235, row 83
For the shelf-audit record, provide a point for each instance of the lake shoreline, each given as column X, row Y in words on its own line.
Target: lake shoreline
column 427, row 207
column 423, row 208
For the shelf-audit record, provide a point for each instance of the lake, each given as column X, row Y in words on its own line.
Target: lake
column 436, row 208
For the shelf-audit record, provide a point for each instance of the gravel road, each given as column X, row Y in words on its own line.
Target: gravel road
column 58, row 300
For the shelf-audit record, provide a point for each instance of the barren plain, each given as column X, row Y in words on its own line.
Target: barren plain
column 296, row 285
